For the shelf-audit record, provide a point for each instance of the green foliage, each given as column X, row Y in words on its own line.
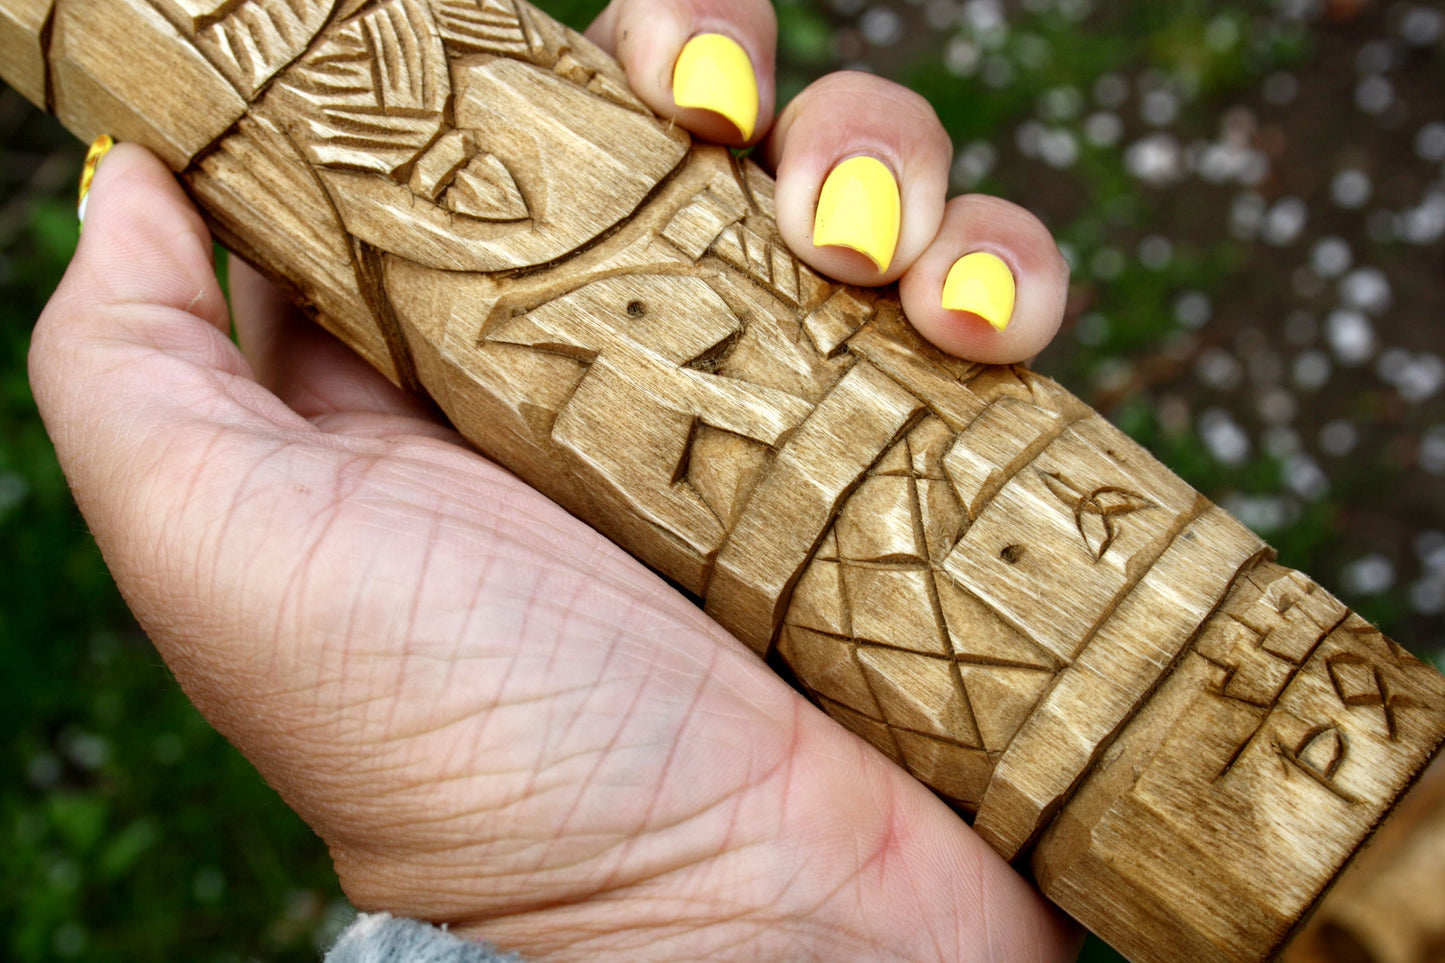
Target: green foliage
column 576, row 14
column 129, row 829
column 805, row 46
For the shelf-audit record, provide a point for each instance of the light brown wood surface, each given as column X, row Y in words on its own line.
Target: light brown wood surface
column 962, row 564
column 1389, row 906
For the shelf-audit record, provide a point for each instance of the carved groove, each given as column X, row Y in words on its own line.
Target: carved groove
column 47, row 29
column 370, row 273
column 483, row 26
column 962, row 564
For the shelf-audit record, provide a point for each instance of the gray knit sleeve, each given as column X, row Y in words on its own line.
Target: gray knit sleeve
column 382, row 938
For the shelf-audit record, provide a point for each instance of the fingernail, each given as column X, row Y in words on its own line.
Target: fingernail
column 98, row 149
column 981, row 283
column 713, row 72
column 859, row 208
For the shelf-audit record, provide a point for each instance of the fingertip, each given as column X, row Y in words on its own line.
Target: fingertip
column 141, row 285
column 706, row 65
column 862, row 168
column 714, row 73
column 142, row 241
column 991, row 287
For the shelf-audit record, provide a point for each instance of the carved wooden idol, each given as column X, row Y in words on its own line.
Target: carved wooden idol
column 962, row 564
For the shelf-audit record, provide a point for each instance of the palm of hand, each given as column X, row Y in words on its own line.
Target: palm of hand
column 493, row 717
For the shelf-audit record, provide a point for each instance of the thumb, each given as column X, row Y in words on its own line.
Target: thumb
column 133, row 343
column 142, row 243
column 140, row 290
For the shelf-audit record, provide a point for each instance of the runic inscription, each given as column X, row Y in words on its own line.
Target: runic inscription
column 962, row 564
column 1253, row 711
column 1319, row 755
column 1360, row 683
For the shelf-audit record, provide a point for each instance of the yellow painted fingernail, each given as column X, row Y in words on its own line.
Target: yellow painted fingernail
column 98, row 149
column 982, row 284
column 713, row 72
column 859, row 208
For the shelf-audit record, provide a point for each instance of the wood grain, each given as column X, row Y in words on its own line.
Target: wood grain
column 1389, row 907
column 962, row 564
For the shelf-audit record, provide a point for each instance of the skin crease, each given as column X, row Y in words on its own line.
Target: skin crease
column 495, row 718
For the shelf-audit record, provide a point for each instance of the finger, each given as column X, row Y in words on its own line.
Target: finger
column 862, row 167
column 992, row 285
column 143, row 242
column 140, row 287
column 706, row 64
column 314, row 373
column 131, row 357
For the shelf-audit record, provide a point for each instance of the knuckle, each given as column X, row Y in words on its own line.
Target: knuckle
column 884, row 106
column 1021, row 220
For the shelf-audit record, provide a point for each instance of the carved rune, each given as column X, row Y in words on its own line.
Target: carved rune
column 1097, row 513
column 1359, row 683
column 1319, row 755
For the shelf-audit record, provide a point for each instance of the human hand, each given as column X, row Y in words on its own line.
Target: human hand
column 493, row 717
column 839, row 117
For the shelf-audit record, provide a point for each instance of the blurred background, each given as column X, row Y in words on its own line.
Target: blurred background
column 1251, row 195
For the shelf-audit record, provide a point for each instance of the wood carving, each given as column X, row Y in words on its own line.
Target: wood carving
column 1389, row 907
column 962, row 564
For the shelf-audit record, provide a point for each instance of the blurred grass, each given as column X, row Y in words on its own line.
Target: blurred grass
column 129, row 830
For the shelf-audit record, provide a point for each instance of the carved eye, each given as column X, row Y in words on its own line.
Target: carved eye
column 453, row 172
column 636, row 309
column 485, row 189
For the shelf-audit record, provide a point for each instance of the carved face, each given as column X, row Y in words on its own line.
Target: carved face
column 421, row 119
column 421, row 122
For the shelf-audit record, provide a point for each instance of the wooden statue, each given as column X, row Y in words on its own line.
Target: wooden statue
column 962, row 564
